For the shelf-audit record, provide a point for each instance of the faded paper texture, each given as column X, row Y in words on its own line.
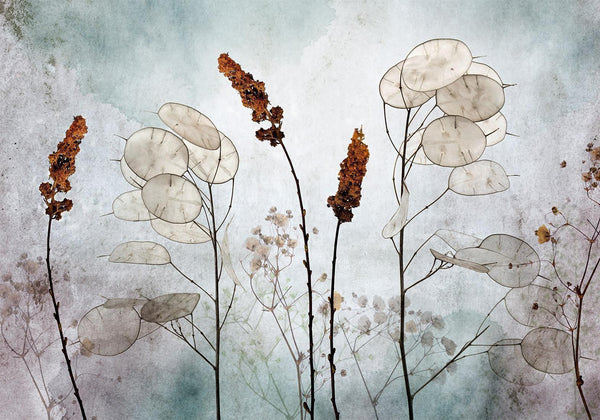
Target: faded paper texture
column 117, row 62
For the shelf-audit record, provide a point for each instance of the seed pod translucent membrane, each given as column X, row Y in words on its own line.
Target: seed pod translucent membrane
column 548, row 350
column 414, row 145
column 140, row 252
column 478, row 178
column 394, row 92
column 484, row 70
column 474, row 97
column 130, row 206
column 169, row 307
column 459, row 262
column 190, row 124
column 494, row 128
column 453, row 141
column 227, row 264
column 186, row 233
column 109, row 331
column 215, row 166
column 399, row 218
column 172, row 198
column 534, row 305
column 458, row 240
column 511, row 261
column 130, row 176
column 435, row 64
column 506, row 361
column 153, row 151
column 123, row 303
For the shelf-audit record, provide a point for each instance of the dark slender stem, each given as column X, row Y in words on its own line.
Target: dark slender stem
column 217, row 308
column 409, row 395
column 578, row 377
column 308, row 283
column 192, row 281
column 580, row 290
column 63, row 340
column 331, row 318
column 229, row 306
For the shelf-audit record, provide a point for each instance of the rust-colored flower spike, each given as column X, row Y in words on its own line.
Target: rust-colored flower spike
column 352, row 172
column 62, row 166
column 254, row 97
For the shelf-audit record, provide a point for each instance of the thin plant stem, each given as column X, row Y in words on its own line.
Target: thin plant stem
column 578, row 377
column 427, row 206
column 55, row 304
column 462, row 350
column 409, row 395
column 217, row 308
column 331, row 354
column 362, row 376
column 311, row 407
column 192, row 281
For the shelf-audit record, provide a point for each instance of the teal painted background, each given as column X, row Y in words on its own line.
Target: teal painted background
column 116, row 62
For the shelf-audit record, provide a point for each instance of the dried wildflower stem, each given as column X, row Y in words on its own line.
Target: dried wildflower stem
column 62, row 166
column 308, row 283
column 331, row 354
column 352, row 171
column 580, row 291
column 278, row 300
column 254, row 96
column 55, row 304
column 454, row 358
column 29, row 346
column 576, row 356
column 362, row 376
column 218, row 326
column 401, row 341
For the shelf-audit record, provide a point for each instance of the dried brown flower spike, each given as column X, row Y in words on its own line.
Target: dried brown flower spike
column 254, row 97
column 352, row 172
column 62, row 166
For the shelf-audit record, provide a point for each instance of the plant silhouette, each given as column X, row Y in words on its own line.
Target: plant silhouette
column 461, row 99
column 168, row 170
column 62, row 166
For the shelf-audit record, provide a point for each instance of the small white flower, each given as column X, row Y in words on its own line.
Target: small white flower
column 281, row 220
column 364, row 324
column 252, row 243
column 427, row 339
column 263, row 251
column 379, row 317
column 395, row 334
column 255, row 264
column 394, row 303
column 279, row 241
column 438, row 322
column 449, row 345
column 378, row 303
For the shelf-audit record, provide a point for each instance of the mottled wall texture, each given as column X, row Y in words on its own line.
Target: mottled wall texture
column 117, row 62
